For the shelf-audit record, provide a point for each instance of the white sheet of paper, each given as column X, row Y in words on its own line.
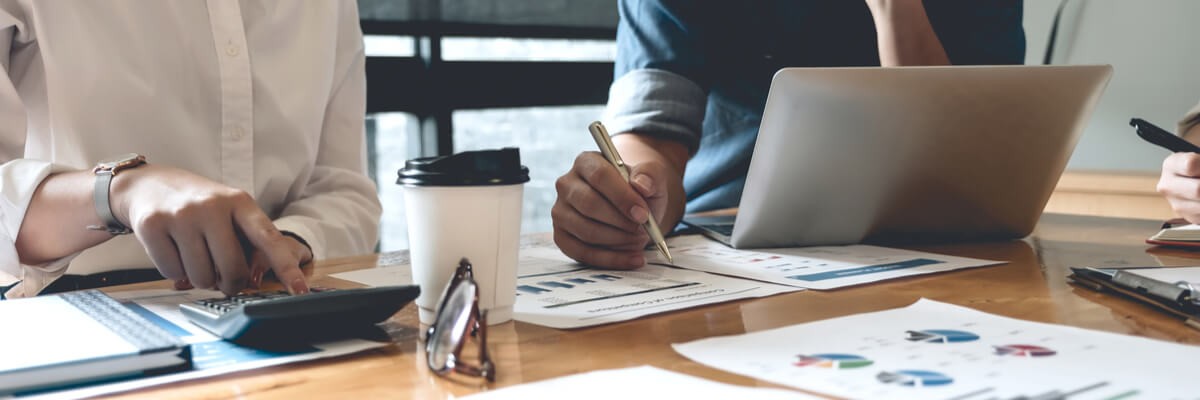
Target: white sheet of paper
column 1170, row 275
column 554, row 291
column 824, row 267
column 210, row 356
column 643, row 382
column 392, row 275
column 933, row 350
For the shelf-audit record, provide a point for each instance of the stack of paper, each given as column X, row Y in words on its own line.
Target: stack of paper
column 555, row 291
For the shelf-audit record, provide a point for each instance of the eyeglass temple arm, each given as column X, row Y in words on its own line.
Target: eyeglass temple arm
column 485, row 369
column 485, row 358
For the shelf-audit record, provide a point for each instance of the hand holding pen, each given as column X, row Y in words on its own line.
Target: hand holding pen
column 610, row 153
column 600, row 217
column 1180, row 179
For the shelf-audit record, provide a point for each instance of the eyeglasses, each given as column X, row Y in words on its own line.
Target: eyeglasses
column 458, row 319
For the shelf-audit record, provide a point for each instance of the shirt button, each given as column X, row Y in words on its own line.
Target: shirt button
column 232, row 50
column 237, row 133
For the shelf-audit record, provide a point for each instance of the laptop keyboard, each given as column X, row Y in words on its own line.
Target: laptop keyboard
column 724, row 229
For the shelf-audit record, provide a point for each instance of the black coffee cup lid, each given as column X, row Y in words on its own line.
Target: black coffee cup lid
column 469, row 168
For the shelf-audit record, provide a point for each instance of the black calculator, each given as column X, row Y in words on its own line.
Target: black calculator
column 322, row 314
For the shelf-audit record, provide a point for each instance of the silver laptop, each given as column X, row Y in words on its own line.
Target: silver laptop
column 919, row 154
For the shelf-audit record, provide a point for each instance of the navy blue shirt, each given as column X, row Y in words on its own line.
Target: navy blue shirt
column 698, row 71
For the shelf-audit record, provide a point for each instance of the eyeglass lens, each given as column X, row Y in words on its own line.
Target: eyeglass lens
column 458, row 319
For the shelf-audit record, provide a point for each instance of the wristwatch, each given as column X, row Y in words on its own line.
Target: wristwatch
column 105, row 171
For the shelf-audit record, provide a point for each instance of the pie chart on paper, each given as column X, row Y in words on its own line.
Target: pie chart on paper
column 940, row 336
column 832, row 361
column 1024, row 350
column 914, row 377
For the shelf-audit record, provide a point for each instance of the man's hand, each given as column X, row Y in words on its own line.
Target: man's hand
column 191, row 227
column 1180, row 184
column 598, row 216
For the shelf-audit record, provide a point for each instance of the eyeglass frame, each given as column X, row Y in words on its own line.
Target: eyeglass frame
column 476, row 324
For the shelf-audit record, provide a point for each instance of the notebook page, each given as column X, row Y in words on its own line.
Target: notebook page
column 48, row 330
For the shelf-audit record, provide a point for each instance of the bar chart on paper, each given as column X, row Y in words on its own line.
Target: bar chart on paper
column 556, row 292
column 579, row 285
column 824, row 267
column 933, row 350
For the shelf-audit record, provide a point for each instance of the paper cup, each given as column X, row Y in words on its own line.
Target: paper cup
column 465, row 205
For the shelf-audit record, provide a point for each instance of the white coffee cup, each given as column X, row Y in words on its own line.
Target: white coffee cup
column 466, row 205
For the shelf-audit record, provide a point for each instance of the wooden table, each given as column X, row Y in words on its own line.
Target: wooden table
column 1032, row 286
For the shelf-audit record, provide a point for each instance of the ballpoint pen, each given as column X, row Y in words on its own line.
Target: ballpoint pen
column 610, row 153
column 1162, row 138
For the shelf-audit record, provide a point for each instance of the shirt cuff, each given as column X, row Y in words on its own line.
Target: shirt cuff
column 19, row 179
column 657, row 103
column 296, row 226
column 34, row 278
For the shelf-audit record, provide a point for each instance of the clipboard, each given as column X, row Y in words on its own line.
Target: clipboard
column 1180, row 299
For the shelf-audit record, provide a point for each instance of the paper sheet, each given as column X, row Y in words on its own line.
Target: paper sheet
column 825, row 267
column 554, row 291
column 933, row 350
column 1170, row 275
column 394, row 275
column 210, row 355
column 635, row 383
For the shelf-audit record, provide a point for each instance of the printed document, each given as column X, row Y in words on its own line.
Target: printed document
column 933, row 350
column 824, row 267
column 643, row 382
column 554, row 291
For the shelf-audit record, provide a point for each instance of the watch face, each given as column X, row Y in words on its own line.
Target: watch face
column 121, row 159
column 124, row 161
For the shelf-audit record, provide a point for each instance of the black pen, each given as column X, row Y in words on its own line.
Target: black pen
column 1162, row 138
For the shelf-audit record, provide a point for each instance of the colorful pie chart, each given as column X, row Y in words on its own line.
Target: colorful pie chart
column 941, row 336
column 832, row 361
column 1024, row 350
column 914, row 377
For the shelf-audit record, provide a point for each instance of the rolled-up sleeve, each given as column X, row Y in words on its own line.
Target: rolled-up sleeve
column 19, row 177
column 1188, row 124
column 659, row 89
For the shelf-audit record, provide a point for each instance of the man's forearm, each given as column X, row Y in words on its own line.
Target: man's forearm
column 905, row 35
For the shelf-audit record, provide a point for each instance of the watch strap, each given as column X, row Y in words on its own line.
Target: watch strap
column 100, row 198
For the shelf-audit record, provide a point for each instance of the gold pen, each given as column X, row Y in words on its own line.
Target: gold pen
column 610, row 152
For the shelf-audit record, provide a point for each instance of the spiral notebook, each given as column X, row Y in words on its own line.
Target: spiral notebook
column 78, row 338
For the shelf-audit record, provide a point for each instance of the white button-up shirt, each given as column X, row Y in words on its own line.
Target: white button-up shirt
column 265, row 96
